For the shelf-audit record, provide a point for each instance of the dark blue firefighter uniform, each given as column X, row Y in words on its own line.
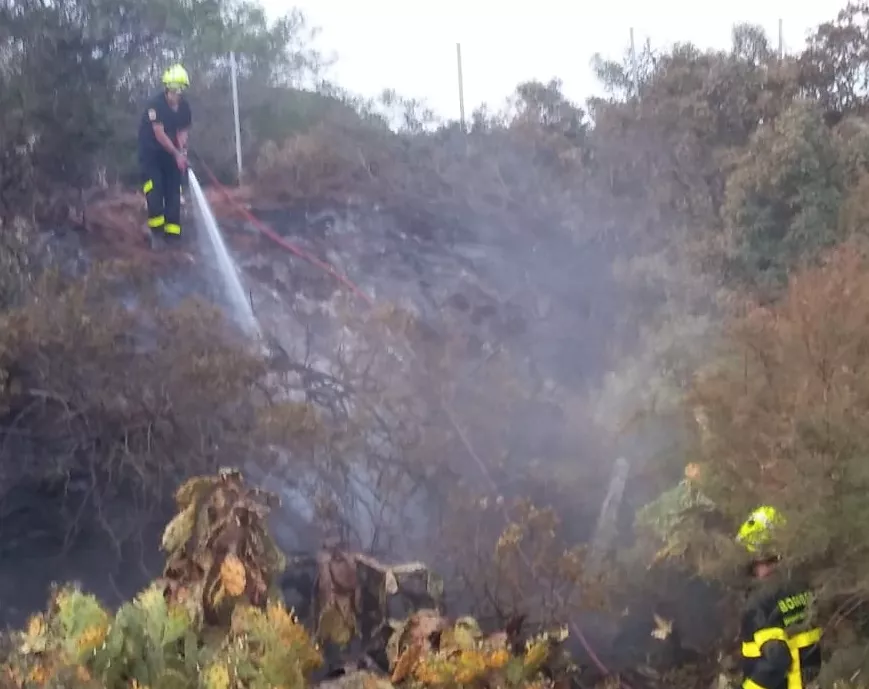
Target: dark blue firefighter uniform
column 781, row 646
column 161, row 178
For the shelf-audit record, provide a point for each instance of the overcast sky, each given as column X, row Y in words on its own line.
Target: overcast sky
column 409, row 45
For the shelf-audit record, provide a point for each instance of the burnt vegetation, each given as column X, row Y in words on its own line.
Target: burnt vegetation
column 688, row 288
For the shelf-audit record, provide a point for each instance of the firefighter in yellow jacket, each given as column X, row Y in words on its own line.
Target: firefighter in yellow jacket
column 781, row 647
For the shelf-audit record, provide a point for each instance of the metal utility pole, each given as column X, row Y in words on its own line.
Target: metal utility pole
column 634, row 67
column 461, row 86
column 234, row 73
column 781, row 40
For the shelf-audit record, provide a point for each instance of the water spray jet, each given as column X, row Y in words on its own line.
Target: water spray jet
column 234, row 291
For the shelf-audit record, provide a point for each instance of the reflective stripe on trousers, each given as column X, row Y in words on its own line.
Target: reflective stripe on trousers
column 752, row 649
column 157, row 220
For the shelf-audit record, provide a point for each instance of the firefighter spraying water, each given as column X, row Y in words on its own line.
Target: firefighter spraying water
column 163, row 132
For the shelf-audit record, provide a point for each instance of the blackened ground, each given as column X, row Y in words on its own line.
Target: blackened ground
column 39, row 547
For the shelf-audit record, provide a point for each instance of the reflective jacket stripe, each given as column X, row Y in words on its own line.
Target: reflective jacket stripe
column 752, row 649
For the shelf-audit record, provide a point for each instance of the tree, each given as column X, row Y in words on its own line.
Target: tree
column 751, row 44
column 783, row 419
column 833, row 68
column 667, row 156
column 55, row 85
column 783, row 197
column 544, row 106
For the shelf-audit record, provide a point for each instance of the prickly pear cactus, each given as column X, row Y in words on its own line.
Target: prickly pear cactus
column 210, row 622
column 219, row 551
column 427, row 650
column 213, row 621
